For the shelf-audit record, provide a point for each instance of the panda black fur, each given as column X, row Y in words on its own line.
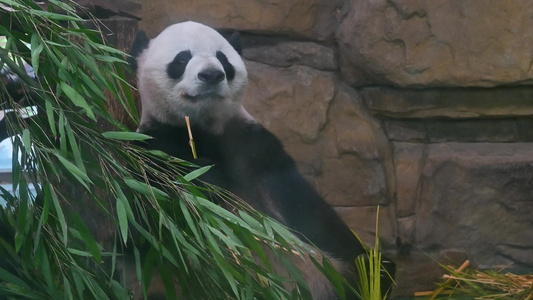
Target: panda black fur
column 191, row 70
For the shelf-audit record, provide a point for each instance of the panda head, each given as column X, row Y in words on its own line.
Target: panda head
column 189, row 69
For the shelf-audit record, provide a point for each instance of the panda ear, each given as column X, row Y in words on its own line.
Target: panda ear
column 141, row 42
column 235, row 41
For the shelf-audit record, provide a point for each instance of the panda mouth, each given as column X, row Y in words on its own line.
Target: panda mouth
column 202, row 96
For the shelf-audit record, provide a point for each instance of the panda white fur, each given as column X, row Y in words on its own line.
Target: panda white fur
column 191, row 70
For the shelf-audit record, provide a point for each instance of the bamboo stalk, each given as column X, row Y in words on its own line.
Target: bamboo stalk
column 429, row 293
column 191, row 140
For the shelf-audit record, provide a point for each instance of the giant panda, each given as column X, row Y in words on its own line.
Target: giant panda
column 191, row 70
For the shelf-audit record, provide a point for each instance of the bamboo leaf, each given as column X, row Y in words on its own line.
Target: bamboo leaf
column 88, row 239
column 92, row 86
column 119, row 291
column 168, row 281
column 146, row 189
column 333, row 275
column 223, row 213
column 77, row 99
column 42, row 220
column 22, row 219
column 79, row 174
column 63, row 6
column 212, row 243
column 188, row 218
column 149, row 266
column 296, row 276
column 78, row 283
column 49, row 190
column 125, row 136
column 68, row 292
column 6, row 276
column 225, row 268
column 26, row 140
column 62, row 134
column 80, row 252
column 196, row 173
column 251, row 221
column 50, row 116
column 36, row 48
column 46, row 269
column 138, row 268
column 122, row 219
column 55, row 16
column 109, row 59
column 75, row 149
column 226, row 233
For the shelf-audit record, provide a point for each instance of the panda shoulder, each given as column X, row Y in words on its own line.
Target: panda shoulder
column 252, row 141
column 249, row 129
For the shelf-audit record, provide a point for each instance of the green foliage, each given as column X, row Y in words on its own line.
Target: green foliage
column 369, row 270
column 86, row 180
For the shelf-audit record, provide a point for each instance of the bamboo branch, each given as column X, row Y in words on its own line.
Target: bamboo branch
column 443, row 286
column 191, row 140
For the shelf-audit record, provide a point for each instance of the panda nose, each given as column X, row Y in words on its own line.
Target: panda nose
column 211, row 76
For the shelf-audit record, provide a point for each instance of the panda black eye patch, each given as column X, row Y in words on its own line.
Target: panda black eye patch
column 176, row 68
column 228, row 67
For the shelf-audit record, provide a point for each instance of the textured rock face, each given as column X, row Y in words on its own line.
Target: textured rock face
column 458, row 103
column 338, row 146
column 437, row 43
column 475, row 196
column 296, row 105
column 308, row 18
column 422, row 107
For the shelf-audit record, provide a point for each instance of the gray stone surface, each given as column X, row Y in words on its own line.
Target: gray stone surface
column 454, row 103
column 353, row 216
column 286, row 54
column 324, row 126
column 476, row 197
column 295, row 104
column 412, row 43
column 314, row 19
column 409, row 162
column 469, row 130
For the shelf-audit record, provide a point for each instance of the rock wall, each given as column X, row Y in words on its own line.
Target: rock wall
column 422, row 107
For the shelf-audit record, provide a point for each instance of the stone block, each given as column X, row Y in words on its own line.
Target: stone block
column 406, row 130
column 458, row 103
column 362, row 220
column 304, row 18
column 441, row 43
column 408, row 162
column 357, row 165
column 294, row 104
column 288, row 53
column 477, row 197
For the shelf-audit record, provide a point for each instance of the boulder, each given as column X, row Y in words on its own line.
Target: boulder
column 294, row 105
column 304, row 18
column 473, row 197
column 413, row 43
column 357, row 160
column 285, row 54
column 338, row 146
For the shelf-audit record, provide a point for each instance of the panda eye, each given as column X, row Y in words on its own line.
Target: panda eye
column 183, row 57
column 228, row 67
column 176, row 68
